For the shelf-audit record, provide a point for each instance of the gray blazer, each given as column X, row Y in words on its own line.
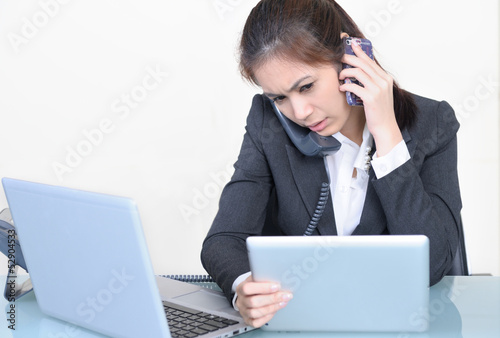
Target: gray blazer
column 420, row 197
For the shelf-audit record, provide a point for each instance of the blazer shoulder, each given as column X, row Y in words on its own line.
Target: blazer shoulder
column 434, row 118
column 429, row 109
column 259, row 106
column 262, row 122
column 258, row 116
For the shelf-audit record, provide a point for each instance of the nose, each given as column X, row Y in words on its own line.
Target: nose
column 301, row 109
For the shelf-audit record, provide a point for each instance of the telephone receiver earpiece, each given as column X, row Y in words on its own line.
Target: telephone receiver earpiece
column 308, row 142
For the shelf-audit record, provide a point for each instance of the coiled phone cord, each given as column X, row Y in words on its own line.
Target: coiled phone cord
column 321, row 205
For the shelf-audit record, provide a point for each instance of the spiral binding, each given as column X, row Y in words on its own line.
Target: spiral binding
column 191, row 278
column 320, row 207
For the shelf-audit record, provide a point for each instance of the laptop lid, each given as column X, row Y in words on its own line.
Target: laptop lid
column 89, row 264
column 351, row 283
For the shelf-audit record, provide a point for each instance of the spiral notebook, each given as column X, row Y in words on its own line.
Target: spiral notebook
column 89, row 264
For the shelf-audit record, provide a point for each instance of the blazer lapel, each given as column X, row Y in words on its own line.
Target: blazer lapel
column 309, row 173
column 373, row 219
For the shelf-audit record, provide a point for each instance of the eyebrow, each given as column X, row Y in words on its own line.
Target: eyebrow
column 292, row 88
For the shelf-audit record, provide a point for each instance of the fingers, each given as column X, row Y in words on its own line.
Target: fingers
column 366, row 73
column 258, row 302
column 249, row 287
column 363, row 61
column 372, row 88
column 260, row 315
column 376, row 92
column 376, row 83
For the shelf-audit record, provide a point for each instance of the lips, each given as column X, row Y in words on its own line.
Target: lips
column 317, row 127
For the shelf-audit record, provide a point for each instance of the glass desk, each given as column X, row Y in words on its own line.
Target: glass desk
column 458, row 306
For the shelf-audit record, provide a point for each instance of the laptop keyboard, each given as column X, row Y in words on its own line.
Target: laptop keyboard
column 186, row 322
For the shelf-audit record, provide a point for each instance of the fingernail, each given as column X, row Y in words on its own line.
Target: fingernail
column 275, row 287
column 355, row 42
column 286, row 298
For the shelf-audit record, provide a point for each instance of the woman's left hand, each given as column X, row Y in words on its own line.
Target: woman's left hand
column 377, row 96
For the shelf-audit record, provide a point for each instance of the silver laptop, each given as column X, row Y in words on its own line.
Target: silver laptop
column 89, row 265
column 352, row 283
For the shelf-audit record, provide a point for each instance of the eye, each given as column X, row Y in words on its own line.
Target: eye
column 278, row 99
column 306, row 87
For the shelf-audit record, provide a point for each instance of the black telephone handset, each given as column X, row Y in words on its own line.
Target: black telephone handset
column 308, row 142
column 311, row 144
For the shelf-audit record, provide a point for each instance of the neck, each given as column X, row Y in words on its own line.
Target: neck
column 355, row 125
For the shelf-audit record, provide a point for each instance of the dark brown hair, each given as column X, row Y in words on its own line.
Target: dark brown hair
column 305, row 31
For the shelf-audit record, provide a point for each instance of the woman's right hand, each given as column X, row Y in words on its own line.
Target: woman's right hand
column 259, row 301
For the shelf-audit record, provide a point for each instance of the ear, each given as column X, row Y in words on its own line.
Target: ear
column 344, row 35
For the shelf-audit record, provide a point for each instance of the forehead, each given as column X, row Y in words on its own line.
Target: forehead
column 278, row 75
column 281, row 69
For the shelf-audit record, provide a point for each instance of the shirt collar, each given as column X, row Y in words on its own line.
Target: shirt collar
column 360, row 160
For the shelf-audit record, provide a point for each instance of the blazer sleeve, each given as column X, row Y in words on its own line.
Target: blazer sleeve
column 242, row 207
column 422, row 196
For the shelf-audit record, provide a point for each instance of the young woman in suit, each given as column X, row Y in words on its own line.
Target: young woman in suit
column 395, row 173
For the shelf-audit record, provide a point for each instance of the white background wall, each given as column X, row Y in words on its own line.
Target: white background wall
column 71, row 68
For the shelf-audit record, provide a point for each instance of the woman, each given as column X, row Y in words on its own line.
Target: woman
column 408, row 184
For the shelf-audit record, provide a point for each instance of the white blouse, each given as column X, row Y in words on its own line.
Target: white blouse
column 349, row 177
